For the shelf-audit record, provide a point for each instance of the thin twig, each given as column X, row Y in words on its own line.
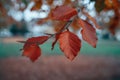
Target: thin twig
column 67, row 24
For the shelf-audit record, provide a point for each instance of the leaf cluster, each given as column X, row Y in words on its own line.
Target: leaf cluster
column 69, row 42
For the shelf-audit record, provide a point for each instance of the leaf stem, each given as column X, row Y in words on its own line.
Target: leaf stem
column 67, row 24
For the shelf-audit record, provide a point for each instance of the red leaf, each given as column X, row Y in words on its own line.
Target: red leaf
column 70, row 44
column 108, row 3
column 75, row 24
column 37, row 6
column 31, row 48
column 63, row 13
column 35, row 40
column 66, row 2
column 88, row 33
column 33, row 52
column 38, row 40
column 50, row 2
column 58, row 25
column 92, row 19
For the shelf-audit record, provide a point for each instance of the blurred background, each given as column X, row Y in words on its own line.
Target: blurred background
column 19, row 21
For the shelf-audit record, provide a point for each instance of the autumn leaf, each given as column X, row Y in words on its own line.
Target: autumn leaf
column 70, row 44
column 108, row 3
column 32, row 51
column 31, row 48
column 75, row 24
column 88, row 32
column 38, row 40
column 63, row 13
column 114, row 24
column 58, row 25
column 37, row 6
column 35, row 40
column 116, row 4
column 66, row 2
column 92, row 19
column 50, row 2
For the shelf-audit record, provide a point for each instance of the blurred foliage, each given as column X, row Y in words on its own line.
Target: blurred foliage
column 101, row 6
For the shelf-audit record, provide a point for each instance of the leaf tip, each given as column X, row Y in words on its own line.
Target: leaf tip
column 94, row 45
column 71, row 58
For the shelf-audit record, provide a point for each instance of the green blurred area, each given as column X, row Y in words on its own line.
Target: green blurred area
column 104, row 48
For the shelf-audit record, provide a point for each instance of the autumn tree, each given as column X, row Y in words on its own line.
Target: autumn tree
column 67, row 17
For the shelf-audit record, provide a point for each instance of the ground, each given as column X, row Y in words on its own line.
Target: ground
column 101, row 63
column 60, row 68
